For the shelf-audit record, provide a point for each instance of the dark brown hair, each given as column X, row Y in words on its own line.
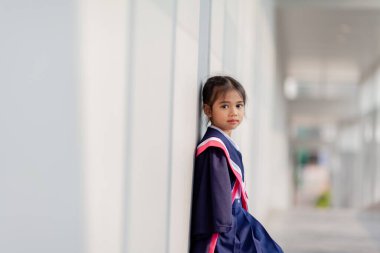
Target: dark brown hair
column 218, row 85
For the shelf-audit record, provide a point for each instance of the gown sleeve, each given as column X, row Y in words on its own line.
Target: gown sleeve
column 211, row 202
column 220, row 185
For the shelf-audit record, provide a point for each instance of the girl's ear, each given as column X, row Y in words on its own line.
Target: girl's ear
column 207, row 110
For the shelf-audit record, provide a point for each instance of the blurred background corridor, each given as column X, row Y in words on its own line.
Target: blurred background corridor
column 100, row 115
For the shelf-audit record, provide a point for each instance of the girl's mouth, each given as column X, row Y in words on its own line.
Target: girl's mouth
column 233, row 121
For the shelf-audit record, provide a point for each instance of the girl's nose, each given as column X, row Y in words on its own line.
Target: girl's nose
column 233, row 111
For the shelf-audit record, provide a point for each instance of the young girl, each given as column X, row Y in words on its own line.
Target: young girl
column 220, row 219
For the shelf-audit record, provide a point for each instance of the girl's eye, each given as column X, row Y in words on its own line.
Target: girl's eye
column 224, row 106
column 240, row 106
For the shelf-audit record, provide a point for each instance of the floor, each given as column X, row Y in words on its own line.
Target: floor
column 326, row 230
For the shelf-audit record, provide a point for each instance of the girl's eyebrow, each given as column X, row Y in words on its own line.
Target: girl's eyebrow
column 223, row 102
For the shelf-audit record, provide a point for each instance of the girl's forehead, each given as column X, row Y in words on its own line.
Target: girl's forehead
column 230, row 94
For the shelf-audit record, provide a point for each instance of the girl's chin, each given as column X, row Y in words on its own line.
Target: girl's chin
column 233, row 125
column 230, row 128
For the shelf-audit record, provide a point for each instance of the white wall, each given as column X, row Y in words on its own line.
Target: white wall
column 103, row 47
column 150, row 124
column 100, row 118
column 271, row 172
column 185, row 120
column 164, row 122
column 140, row 116
column 40, row 158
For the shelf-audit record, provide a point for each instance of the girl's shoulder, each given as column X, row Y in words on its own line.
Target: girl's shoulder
column 212, row 157
column 211, row 144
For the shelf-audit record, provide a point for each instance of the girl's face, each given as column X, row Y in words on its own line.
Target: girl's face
column 227, row 111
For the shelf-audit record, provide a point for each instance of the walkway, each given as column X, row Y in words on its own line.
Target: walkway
column 326, row 231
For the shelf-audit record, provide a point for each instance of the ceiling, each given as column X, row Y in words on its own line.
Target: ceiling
column 328, row 42
column 326, row 45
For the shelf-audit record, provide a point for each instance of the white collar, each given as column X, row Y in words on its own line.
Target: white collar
column 226, row 135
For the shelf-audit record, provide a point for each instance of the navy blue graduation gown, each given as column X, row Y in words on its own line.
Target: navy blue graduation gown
column 220, row 222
